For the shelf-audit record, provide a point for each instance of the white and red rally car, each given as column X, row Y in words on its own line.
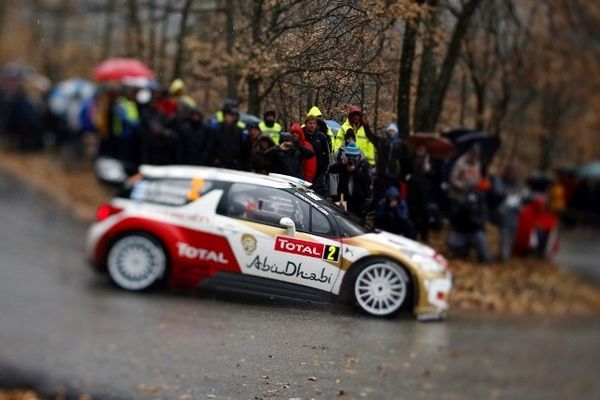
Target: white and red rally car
column 267, row 235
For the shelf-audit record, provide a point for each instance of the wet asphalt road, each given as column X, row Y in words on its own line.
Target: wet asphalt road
column 62, row 326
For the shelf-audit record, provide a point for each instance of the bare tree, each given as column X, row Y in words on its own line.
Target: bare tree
column 107, row 34
column 430, row 118
column 405, row 71
column 179, row 45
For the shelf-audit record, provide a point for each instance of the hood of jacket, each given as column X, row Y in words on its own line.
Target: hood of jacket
column 296, row 128
column 314, row 112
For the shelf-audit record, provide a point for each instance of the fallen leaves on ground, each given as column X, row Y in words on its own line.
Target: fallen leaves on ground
column 18, row 395
column 76, row 188
column 521, row 286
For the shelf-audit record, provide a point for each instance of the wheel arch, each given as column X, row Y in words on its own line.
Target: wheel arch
column 164, row 234
column 352, row 272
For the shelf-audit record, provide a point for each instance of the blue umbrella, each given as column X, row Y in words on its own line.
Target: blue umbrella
column 333, row 125
column 68, row 94
column 591, row 170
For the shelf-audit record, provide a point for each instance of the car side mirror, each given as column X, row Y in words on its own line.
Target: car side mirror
column 289, row 225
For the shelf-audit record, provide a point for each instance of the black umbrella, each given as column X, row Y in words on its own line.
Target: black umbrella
column 464, row 139
column 454, row 134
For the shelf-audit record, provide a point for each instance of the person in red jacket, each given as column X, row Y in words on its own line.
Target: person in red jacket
column 309, row 165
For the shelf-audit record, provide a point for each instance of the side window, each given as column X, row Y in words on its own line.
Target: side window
column 266, row 205
column 319, row 223
column 171, row 192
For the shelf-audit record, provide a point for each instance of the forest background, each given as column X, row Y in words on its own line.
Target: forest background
column 527, row 71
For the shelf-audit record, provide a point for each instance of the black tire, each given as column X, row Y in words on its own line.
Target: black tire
column 380, row 287
column 136, row 262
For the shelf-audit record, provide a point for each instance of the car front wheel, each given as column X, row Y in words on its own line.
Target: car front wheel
column 381, row 288
column 136, row 262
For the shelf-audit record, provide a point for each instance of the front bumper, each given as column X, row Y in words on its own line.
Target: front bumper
column 433, row 299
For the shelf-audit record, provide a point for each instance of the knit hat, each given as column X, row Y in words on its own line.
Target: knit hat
column 352, row 150
column 392, row 192
column 354, row 110
column 392, row 127
column 285, row 137
column 253, row 125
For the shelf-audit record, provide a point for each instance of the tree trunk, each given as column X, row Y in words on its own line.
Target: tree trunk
column 405, row 75
column 376, row 105
column 134, row 24
column 3, row 13
column 107, row 35
column 431, row 117
column 254, row 95
column 428, row 68
column 162, row 49
column 151, row 33
column 185, row 12
column 480, row 99
column 463, row 101
column 232, row 79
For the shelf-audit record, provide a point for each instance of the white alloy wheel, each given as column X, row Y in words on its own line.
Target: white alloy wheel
column 381, row 288
column 136, row 262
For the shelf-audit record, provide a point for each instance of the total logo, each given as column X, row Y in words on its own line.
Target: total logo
column 306, row 248
column 191, row 252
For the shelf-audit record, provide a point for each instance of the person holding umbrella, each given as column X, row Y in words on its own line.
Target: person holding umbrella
column 465, row 174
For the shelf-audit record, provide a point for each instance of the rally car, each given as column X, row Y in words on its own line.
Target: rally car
column 191, row 227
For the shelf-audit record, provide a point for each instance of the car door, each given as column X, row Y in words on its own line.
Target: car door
column 250, row 216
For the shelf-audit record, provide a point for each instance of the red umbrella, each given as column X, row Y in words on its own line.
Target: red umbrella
column 114, row 69
column 437, row 146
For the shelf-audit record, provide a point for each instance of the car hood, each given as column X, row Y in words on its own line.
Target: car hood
column 397, row 242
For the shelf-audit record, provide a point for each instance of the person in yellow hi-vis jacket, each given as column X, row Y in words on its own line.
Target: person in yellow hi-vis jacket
column 178, row 91
column 355, row 122
column 269, row 127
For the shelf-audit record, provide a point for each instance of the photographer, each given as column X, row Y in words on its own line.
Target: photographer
column 354, row 179
column 289, row 156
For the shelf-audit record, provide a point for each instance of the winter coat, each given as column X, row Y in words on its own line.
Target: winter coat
column 289, row 162
column 393, row 156
column 362, row 140
column 262, row 161
column 273, row 131
column 321, row 148
column 195, row 143
column 230, row 148
column 334, row 141
column 309, row 165
column 359, row 180
column 470, row 215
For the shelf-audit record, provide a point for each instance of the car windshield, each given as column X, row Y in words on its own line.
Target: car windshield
column 349, row 225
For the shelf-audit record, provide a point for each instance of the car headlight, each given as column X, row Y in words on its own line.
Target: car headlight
column 437, row 263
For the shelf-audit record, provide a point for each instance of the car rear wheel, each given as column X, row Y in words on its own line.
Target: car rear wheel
column 381, row 288
column 136, row 262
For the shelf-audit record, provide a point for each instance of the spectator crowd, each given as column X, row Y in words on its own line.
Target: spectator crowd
column 382, row 178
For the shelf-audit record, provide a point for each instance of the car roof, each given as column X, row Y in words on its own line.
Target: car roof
column 220, row 174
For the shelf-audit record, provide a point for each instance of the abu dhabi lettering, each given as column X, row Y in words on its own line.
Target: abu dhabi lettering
column 291, row 269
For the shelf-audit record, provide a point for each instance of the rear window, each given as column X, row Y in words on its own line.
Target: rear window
column 171, row 192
